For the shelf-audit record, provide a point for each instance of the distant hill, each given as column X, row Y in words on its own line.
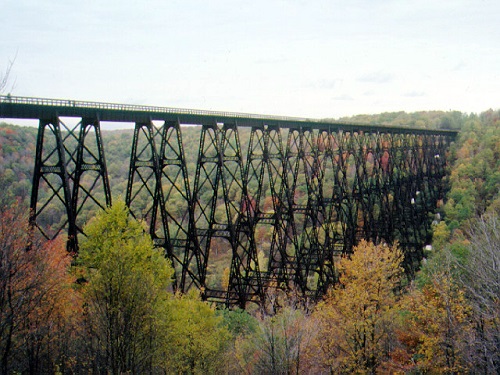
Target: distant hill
column 17, row 150
column 17, row 154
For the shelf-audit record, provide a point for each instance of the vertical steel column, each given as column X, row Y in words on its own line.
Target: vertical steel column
column 400, row 198
column 176, row 209
column 379, row 156
column 144, row 176
column 204, row 200
column 263, row 173
column 347, row 189
column 274, row 156
column 245, row 275
column 285, row 241
column 90, row 161
column 51, row 171
column 309, row 254
column 387, row 211
column 144, row 195
column 330, row 225
column 360, row 187
column 368, row 192
column 280, row 270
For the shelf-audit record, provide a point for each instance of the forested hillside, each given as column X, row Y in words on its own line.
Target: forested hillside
column 17, row 148
column 474, row 168
column 375, row 320
column 17, row 155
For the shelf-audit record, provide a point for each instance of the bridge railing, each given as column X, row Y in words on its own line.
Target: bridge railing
column 139, row 108
column 32, row 107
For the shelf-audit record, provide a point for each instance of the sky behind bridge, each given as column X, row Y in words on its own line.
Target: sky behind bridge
column 312, row 59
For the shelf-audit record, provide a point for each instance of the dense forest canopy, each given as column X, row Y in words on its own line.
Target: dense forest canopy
column 17, row 147
column 476, row 143
column 445, row 321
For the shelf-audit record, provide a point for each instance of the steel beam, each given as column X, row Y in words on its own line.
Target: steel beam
column 277, row 211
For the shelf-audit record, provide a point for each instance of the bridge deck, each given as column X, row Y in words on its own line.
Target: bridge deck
column 43, row 108
column 327, row 189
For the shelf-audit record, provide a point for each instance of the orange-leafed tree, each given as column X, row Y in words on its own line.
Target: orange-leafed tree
column 437, row 329
column 36, row 299
column 355, row 319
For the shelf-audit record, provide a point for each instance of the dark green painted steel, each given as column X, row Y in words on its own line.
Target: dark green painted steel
column 36, row 108
column 310, row 190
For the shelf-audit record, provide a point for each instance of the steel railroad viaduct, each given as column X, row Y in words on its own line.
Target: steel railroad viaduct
column 277, row 210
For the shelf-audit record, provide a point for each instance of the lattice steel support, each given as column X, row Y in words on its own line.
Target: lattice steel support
column 301, row 198
column 60, row 192
column 50, row 162
column 174, row 201
column 223, row 218
column 90, row 161
column 263, row 171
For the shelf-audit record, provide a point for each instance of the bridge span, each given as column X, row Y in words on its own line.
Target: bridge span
column 277, row 209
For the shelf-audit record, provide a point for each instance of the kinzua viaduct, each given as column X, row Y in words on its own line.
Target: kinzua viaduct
column 302, row 194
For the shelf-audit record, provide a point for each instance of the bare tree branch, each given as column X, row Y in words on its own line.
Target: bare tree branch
column 481, row 278
column 4, row 79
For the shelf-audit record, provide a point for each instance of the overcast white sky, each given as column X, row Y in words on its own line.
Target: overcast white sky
column 299, row 58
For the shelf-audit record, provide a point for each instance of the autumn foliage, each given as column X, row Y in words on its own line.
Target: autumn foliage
column 36, row 300
column 437, row 327
column 121, row 315
column 62, row 315
column 356, row 317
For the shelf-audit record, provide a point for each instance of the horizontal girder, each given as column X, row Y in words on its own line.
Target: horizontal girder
column 277, row 210
column 36, row 108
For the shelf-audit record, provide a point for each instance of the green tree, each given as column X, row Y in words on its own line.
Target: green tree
column 240, row 324
column 440, row 235
column 196, row 337
column 126, row 294
column 475, row 177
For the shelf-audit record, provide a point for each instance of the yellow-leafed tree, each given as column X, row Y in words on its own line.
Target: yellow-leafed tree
column 437, row 329
column 126, row 293
column 356, row 316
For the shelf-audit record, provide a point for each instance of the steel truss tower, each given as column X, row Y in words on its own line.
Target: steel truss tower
column 271, row 202
column 284, row 211
column 70, row 168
